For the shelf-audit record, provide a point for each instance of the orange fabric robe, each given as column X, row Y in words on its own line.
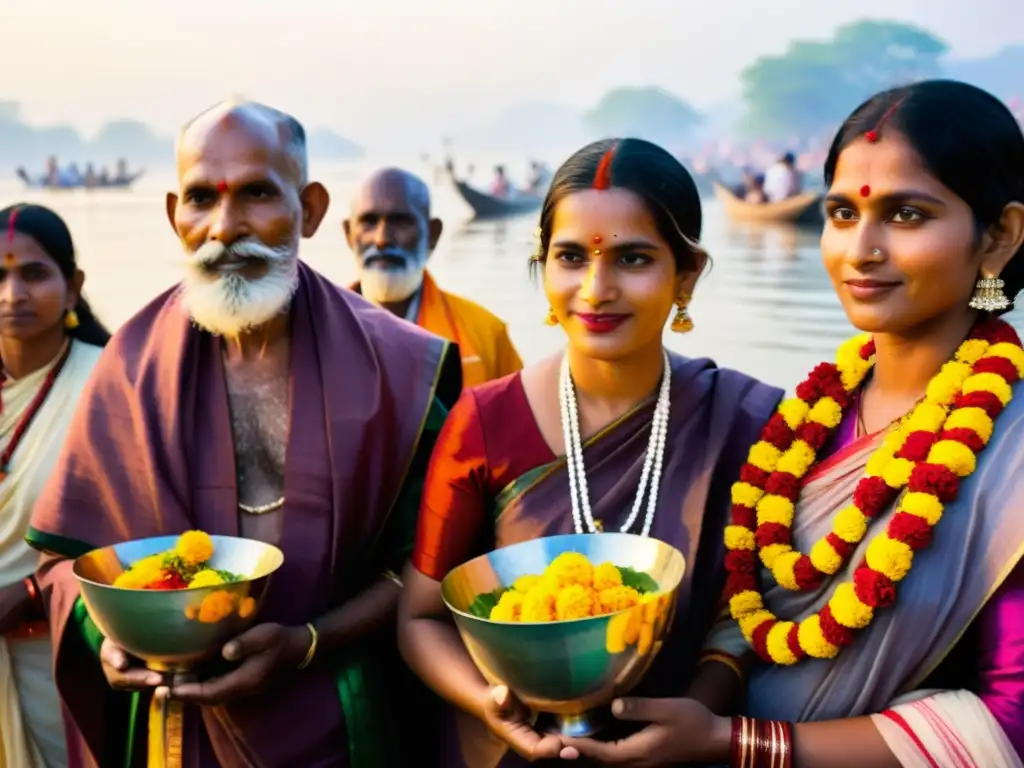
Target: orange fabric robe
column 482, row 337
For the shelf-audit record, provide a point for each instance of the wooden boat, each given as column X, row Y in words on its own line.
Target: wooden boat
column 120, row 183
column 804, row 208
column 486, row 206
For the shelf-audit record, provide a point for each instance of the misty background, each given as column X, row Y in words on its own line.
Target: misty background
column 99, row 80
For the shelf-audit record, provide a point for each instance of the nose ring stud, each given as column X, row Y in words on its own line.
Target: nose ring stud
column 876, row 251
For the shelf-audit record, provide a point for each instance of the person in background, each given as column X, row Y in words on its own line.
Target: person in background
column 49, row 344
column 392, row 235
column 253, row 399
column 500, row 185
column 619, row 253
column 885, row 626
column 782, row 180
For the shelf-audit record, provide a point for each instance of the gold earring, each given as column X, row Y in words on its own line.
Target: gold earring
column 989, row 296
column 552, row 318
column 682, row 322
column 71, row 320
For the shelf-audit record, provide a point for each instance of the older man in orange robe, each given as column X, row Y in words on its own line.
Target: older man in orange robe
column 392, row 235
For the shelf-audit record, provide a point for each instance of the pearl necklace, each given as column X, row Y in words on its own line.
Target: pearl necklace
column 578, row 491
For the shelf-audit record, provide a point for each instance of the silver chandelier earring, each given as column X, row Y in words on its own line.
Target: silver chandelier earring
column 989, row 296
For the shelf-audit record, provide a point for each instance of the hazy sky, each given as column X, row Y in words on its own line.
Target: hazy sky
column 369, row 69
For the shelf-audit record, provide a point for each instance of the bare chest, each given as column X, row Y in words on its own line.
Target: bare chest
column 259, row 405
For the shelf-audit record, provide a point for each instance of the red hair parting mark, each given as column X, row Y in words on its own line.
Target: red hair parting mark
column 603, row 174
column 10, row 224
column 873, row 135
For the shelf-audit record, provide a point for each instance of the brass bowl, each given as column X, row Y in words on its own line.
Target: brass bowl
column 568, row 668
column 172, row 630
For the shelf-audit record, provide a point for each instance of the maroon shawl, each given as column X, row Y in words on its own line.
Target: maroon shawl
column 150, row 452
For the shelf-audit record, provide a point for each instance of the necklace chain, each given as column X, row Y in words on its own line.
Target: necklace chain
column 653, row 458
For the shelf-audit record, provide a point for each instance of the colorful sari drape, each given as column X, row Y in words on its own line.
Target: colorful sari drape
column 715, row 415
column 977, row 545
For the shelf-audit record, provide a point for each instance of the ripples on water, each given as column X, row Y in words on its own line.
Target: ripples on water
column 766, row 307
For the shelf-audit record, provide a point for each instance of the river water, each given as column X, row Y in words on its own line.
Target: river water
column 766, row 308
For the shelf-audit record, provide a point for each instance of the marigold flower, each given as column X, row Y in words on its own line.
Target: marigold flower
column 1011, row 352
column 797, row 460
column 618, row 599
column 783, row 569
column 974, row 419
column 778, row 643
column 750, row 622
column 606, row 576
column 744, row 603
column 746, row 494
column 956, row 456
column 813, row 641
column 206, row 578
column 538, row 605
column 889, row 557
column 926, row 417
column 972, row 350
column 772, row 552
column 825, row 558
column 775, row 509
column 194, row 547
column 509, row 607
column 574, row 602
column 827, row 412
column 525, row 583
column 989, row 382
column 571, row 568
column 850, row 524
column 738, row 538
column 897, row 472
column 794, row 411
column 216, row 606
column 925, row 505
column 763, row 455
column 847, row 609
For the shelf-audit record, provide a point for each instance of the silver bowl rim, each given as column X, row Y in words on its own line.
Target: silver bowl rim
column 210, row 587
column 563, row 622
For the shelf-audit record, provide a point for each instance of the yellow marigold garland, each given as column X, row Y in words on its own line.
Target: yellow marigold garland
column 927, row 454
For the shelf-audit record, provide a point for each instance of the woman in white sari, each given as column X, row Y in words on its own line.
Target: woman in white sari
column 49, row 343
column 875, row 553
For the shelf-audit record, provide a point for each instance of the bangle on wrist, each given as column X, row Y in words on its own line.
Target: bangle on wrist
column 314, row 641
column 761, row 743
column 724, row 658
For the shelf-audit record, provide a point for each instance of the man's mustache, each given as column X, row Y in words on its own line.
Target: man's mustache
column 212, row 253
column 373, row 253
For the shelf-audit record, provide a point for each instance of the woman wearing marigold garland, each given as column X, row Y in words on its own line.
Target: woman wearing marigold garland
column 49, row 343
column 881, row 510
column 615, row 433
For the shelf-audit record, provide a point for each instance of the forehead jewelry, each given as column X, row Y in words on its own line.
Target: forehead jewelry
column 597, row 241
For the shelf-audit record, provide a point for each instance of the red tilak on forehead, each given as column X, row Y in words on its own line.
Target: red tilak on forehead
column 603, row 174
column 865, row 191
column 222, row 186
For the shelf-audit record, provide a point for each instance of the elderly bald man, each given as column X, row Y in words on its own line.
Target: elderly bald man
column 392, row 235
column 253, row 399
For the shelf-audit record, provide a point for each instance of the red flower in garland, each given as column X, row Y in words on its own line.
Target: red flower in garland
column 916, row 446
column 968, row 437
column 754, row 476
column 999, row 366
column 807, row 576
column 777, row 432
column 873, row 588
column 741, row 561
column 814, row 434
column 783, row 484
column 771, row 533
column 744, row 516
column 873, row 495
column 912, row 530
column 934, row 478
column 987, row 401
column 832, row 630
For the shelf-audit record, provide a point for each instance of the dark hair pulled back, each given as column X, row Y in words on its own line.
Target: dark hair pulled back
column 650, row 173
column 49, row 230
column 966, row 137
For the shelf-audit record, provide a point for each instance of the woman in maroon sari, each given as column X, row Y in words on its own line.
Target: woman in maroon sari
column 651, row 440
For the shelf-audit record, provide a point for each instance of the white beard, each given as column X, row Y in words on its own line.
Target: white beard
column 390, row 286
column 228, row 304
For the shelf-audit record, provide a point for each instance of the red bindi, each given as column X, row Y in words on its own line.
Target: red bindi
column 222, row 186
column 9, row 258
column 597, row 239
column 865, row 191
